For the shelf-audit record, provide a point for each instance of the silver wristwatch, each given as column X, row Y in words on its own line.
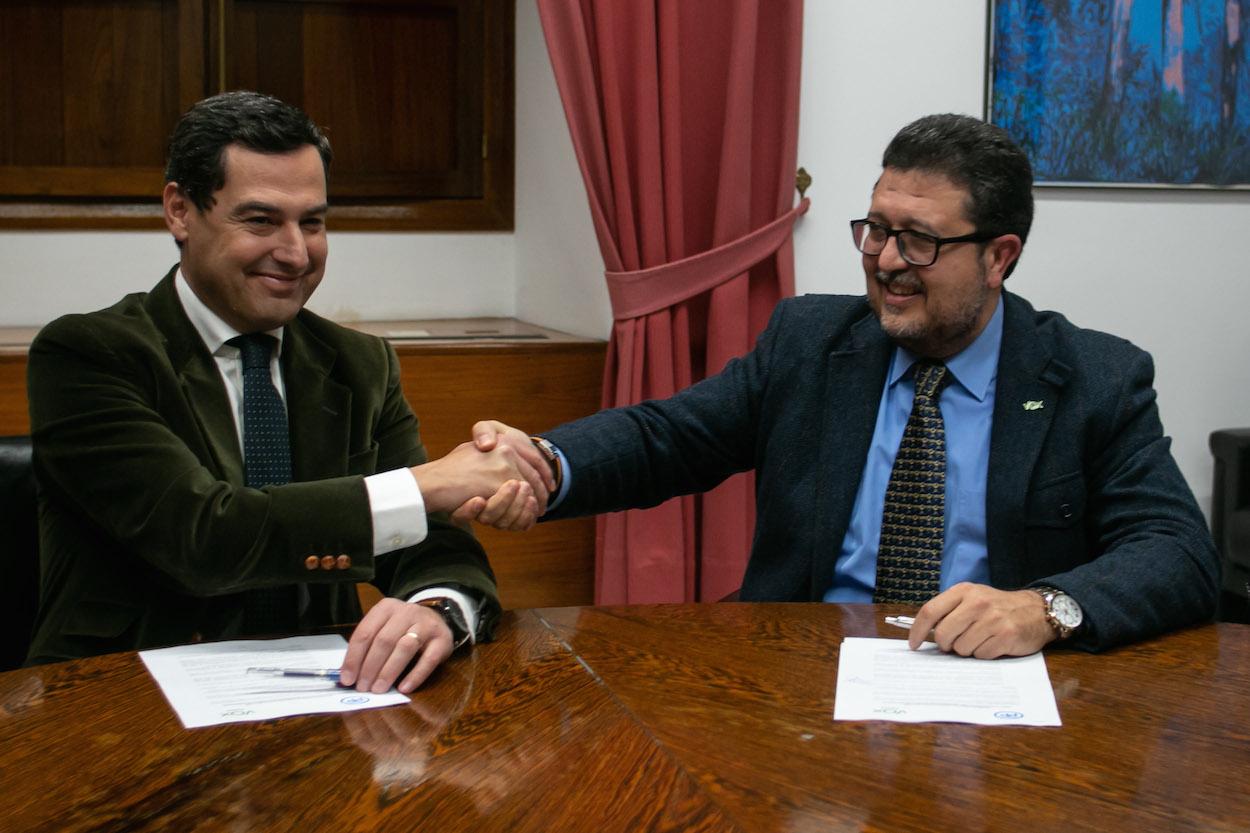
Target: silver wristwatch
column 1062, row 611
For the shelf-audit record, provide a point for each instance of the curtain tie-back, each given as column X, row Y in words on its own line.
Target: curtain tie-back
column 642, row 292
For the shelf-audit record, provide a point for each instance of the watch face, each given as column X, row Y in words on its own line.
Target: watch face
column 1066, row 611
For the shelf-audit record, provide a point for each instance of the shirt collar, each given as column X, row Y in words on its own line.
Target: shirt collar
column 213, row 331
column 974, row 367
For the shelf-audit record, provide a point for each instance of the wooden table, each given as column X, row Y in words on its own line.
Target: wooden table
column 675, row 718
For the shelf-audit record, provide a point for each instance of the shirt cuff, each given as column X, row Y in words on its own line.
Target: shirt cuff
column 469, row 606
column 398, row 510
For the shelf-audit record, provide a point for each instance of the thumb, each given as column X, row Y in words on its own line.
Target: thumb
column 485, row 433
column 469, row 510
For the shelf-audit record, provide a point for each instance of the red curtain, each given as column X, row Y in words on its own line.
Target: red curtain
column 684, row 117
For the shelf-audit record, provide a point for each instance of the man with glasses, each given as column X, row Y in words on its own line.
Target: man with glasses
column 937, row 442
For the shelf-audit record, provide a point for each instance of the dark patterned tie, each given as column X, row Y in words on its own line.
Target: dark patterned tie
column 909, row 558
column 266, row 462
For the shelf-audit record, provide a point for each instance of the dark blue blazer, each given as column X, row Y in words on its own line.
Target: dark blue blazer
column 1083, row 493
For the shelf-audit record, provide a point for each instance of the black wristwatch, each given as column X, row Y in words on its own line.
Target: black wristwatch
column 453, row 616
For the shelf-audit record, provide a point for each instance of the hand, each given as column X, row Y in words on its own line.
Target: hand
column 387, row 639
column 489, row 436
column 975, row 620
column 465, row 473
column 513, row 508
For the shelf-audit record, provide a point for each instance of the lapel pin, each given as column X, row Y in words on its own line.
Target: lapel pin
column 1033, row 404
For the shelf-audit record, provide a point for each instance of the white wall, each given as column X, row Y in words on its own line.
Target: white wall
column 368, row 276
column 1161, row 268
column 559, row 273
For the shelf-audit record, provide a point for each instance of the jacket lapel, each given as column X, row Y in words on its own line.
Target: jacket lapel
column 857, row 365
column 318, row 407
column 201, row 382
column 1029, row 386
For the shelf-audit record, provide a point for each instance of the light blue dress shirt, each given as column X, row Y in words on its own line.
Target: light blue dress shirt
column 967, row 406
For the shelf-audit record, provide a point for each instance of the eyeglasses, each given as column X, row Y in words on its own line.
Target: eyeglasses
column 915, row 247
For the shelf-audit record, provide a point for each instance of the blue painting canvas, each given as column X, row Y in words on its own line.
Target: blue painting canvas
column 1125, row 91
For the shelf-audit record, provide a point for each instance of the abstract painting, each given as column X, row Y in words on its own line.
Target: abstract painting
column 1124, row 92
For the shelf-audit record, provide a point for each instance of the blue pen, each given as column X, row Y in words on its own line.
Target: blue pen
column 324, row 673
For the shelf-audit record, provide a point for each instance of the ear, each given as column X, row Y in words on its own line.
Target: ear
column 177, row 208
column 999, row 254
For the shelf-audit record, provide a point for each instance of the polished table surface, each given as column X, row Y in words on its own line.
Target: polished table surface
column 675, row 718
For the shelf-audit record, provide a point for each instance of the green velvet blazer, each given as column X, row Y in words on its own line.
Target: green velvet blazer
column 147, row 534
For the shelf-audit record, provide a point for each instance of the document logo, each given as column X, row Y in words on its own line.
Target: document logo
column 355, row 700
column 1009, row 715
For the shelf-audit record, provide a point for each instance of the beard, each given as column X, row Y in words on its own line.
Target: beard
column 946, row 329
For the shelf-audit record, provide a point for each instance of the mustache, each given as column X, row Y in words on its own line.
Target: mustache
column 898, row 280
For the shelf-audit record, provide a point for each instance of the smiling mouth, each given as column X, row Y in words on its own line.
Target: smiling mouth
column 899, row 286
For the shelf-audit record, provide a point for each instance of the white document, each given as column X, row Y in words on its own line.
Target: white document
column 883, row 679
column 213, row 683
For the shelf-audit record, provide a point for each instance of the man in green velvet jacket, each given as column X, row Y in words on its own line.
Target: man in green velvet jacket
column 149, row 535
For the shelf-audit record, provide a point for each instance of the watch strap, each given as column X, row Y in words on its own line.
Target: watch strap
column 453, row 616
column 548, row 451
column 1048, row 595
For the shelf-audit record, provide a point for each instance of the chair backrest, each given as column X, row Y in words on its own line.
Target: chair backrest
column 19, row 541
column 1230, row 520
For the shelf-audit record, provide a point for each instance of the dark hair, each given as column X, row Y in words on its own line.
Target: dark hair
column 974, row 155
column 258, row 122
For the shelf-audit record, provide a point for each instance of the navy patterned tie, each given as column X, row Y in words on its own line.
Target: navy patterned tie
column 266, row 462
column 909, row 558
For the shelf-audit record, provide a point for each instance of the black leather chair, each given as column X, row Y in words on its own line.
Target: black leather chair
column 1230, row 520
column 19, row 537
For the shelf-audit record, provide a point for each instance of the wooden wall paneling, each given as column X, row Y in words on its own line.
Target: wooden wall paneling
column 532, row 387
column 31, row 121
column 82, row 73
column 93, row 90
column 417, row 94
column 14, row 415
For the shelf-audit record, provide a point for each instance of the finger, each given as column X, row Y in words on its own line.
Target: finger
column 361, row 638
column 469, row 510
column 437, row 650
column 497, row 506
column 539, row 480
column 973, row 640
column 516, row 508
column 407, row 648
column 993, row 648
column 535, row 460
column 930, row 614
column 528, row 517
column 383, row 645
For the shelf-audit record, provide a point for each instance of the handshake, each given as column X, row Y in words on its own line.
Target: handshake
column 500, row 479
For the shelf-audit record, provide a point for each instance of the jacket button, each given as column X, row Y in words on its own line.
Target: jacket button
column 311, row 562
column 344, row 562
column 1066, row 510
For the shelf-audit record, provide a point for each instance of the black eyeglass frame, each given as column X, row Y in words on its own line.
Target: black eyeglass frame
column 938, row 242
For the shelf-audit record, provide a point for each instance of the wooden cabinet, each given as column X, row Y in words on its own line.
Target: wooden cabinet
column 456, row 372
column 416, row 97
